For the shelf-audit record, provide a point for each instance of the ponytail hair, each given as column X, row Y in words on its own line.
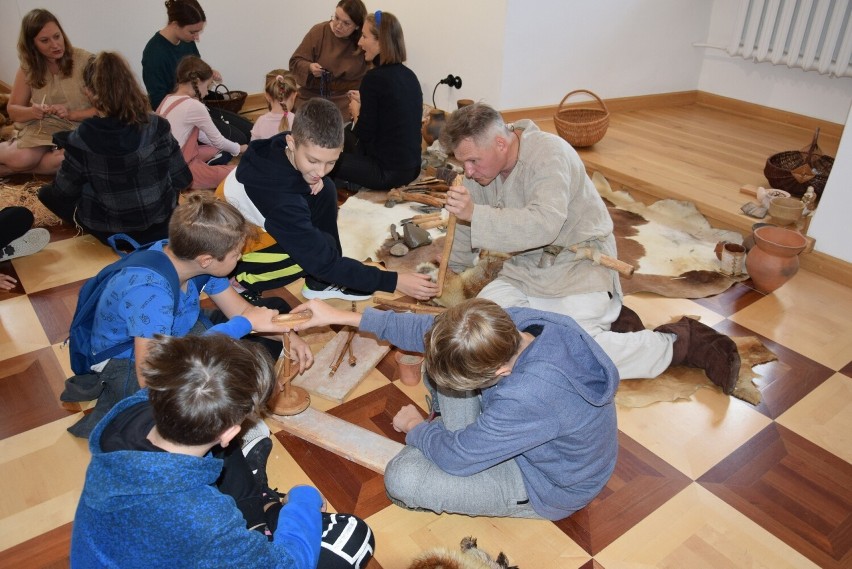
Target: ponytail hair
column 113, row 88
column 193, row 69
column 387, row 29
column 280, row 86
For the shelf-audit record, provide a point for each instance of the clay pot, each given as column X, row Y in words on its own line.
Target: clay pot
column 410, row 366
column 464, row 102
column 774, row 258
column 432, row 127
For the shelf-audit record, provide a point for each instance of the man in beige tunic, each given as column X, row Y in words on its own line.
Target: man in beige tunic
column 526, row 190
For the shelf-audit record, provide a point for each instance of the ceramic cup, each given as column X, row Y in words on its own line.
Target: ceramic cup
column 731, row 258
column 409, row 367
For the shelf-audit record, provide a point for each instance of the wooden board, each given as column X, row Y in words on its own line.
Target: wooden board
column 367, row 350
column 342, row 438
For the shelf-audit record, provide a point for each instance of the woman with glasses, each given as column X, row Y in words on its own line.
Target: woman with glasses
column 328, row 62
column 382, row 151
column 47, row 97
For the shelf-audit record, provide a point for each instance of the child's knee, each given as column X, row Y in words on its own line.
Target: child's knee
column 404, row 475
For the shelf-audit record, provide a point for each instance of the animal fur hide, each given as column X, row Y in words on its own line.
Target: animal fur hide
column 470, row 557
column 670, row 243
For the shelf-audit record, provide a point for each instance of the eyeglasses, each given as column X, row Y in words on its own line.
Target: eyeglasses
column 346, row 24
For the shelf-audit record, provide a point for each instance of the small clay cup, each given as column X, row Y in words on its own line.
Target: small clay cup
column 785, row 211
column 410, row 367
column 463, row 103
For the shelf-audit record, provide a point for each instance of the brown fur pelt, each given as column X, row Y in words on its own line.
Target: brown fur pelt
column 469, row 557
column 460, row 287
column 7, row 128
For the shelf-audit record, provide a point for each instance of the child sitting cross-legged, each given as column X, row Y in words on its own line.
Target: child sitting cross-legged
column 163, row 490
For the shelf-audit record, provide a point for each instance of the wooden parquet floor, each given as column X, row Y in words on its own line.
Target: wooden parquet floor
column 709, row 481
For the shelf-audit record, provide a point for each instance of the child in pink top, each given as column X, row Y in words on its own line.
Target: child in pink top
column 280, row 92
column 199, row 139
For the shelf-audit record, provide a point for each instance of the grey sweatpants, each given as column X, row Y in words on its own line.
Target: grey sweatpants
column 413, row 481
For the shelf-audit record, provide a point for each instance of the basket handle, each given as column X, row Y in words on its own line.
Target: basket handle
column 216, row 89
column 602, row 104
column 812, row 148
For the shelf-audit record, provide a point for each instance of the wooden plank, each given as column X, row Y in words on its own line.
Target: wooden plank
column 342, row 438
column 336, row 387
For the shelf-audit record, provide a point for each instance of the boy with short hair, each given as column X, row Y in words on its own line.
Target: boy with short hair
column 538, row 436
column 156, row 495
column 281, row 185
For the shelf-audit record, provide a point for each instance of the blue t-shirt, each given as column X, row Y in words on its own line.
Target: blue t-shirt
column 138, row 302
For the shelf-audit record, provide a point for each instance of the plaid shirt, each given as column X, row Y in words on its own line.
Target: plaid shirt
column 120, row 188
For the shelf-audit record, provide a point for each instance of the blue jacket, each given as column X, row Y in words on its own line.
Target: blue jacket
column 160, row 509
column 554, row 415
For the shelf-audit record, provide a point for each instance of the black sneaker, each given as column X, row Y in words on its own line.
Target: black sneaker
column 257, row 454
column 316, row 289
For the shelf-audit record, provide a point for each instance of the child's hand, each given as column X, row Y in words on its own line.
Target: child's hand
column 416, row 285
column 407, row 418
column 300, row 352
column 261, row 319
column 325, row 314
column 7, row 282
column 354, row 95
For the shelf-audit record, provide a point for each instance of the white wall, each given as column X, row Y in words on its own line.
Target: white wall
column 510, row 53
column 615, row 48
column 831, row 225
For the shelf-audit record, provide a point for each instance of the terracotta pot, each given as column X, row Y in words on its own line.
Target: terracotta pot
column 774, row 258
column 433, row 125
column 464, row 102
column 410, row 366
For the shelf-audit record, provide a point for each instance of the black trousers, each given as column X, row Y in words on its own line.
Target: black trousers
column 347, row 541
column 355, row 167
column 14, row 222
column 65, row 207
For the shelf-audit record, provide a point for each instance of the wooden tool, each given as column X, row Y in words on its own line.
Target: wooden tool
column 409, row 306
column 448, row 243
column 347, row 346
column 621, row 267
column 291, row 400
column 397, row 195
column 431, row 223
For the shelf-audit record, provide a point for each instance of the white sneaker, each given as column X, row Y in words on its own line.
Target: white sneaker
column 31, row 242
column 316, row 289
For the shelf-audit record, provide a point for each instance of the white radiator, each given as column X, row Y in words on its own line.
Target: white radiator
column 810, row 34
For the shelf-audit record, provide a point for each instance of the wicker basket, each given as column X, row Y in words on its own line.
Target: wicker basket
column 581, row 126
column 795, row 170
column 229, row 100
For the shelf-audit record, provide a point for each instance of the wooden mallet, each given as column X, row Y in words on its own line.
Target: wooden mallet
column 291, row 399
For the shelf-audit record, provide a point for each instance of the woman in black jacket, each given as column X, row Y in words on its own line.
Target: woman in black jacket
column 384, row 152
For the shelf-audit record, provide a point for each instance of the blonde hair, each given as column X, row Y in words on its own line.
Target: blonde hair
column 468, row 343
column 204, row 225
column 280, row 86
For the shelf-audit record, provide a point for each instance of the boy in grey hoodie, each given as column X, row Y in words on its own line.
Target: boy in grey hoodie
column 528, row 424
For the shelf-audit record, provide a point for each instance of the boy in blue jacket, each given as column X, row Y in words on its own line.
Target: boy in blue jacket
column 156, row 495
column 528, row 424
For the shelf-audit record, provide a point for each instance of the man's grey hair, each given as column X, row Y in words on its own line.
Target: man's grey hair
column 478, row 121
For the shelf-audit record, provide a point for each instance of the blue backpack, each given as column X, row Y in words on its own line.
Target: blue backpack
column 80, row 336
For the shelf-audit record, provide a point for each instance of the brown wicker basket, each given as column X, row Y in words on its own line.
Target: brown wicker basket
column 229, row 100
column 795, row 170
column 581, row 126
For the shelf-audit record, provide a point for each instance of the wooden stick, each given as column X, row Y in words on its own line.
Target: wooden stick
column 293, row 317
column 410, row 306
column 621, row 267
column 343, row 351
column 430, row 223
column 448, row 243
column 426, row 216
